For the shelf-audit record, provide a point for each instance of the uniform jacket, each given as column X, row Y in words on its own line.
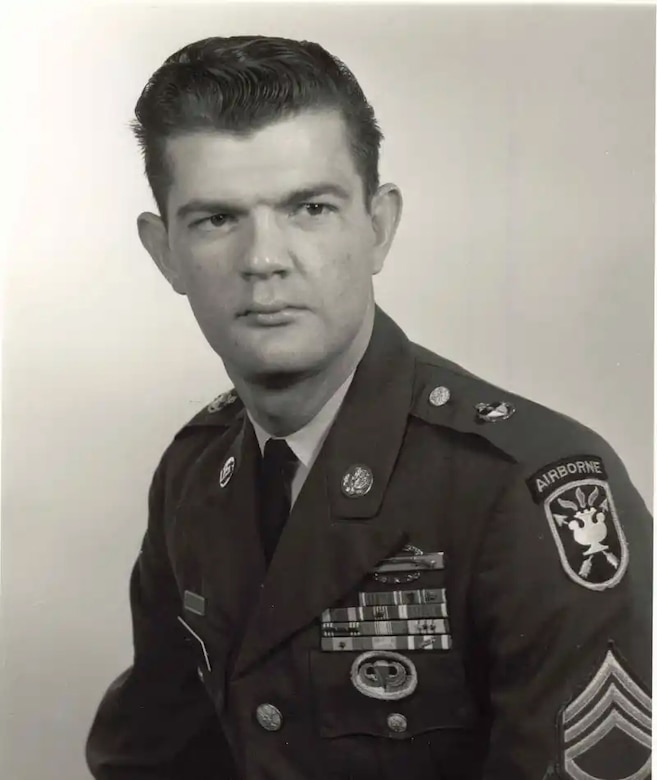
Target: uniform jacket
column 518, row 650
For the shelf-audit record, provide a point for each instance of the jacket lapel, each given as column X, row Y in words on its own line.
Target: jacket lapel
column 332, row 541
column 219, row 526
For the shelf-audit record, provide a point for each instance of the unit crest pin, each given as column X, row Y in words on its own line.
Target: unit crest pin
column 494, row 412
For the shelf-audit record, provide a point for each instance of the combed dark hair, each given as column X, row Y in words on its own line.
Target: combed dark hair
column 240, row 84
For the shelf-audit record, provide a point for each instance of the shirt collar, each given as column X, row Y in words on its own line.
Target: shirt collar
column 307, row 441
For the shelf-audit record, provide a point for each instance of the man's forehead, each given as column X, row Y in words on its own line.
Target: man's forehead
column 293, row 153
column 298, row 137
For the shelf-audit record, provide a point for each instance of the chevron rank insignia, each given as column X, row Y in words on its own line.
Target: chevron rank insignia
column 606, row 729
column 582, row 516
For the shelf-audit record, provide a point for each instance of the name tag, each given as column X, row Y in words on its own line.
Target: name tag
column 194, row 603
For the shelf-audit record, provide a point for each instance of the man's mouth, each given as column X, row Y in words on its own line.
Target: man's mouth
column 270, row 313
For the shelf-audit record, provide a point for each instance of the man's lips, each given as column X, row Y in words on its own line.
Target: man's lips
column 267, row 308
column 271, row 313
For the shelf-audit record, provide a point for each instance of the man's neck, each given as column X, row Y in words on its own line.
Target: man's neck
column 284, row 411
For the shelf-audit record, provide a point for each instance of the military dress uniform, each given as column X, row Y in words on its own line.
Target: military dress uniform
column 462, row 591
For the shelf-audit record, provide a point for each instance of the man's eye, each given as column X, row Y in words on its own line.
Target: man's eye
column 217, row 220
column 316, row 209
column 214, row 221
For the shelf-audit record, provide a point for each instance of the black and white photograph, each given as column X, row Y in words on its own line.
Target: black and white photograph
column 328, row 392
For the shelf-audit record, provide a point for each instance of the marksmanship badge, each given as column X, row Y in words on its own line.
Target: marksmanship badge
column 583, row 520
column 606, row 729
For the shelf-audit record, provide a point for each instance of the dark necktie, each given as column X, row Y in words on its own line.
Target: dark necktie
column 277, row 468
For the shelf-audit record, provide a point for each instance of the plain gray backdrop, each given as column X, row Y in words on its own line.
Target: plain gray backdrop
column 523, row 141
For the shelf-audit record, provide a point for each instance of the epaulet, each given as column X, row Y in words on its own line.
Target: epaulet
column 219, row 413
column 523, row 430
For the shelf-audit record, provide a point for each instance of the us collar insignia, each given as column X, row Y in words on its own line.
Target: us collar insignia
column 227, row 471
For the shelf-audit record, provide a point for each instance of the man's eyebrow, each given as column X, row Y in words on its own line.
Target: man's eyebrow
column 316, row 191
column 201, row 206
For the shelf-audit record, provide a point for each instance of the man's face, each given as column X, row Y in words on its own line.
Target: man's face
column 270, row 240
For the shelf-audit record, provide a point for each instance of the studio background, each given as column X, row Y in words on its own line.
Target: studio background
column 523, row 141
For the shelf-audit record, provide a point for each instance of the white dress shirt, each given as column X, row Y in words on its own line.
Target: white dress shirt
column 307, row 441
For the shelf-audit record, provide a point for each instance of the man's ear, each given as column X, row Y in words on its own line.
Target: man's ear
column 153, row 234
column 386, row 211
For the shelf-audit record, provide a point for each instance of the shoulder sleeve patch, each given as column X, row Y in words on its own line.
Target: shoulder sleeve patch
column 557, row 474
column 583, row 520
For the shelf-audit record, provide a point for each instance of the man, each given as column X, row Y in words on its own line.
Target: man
column 361, row 562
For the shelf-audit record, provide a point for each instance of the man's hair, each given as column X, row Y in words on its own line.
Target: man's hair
column 239, row 85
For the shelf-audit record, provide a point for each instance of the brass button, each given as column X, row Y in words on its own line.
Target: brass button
column 269, row 717
column 397, row 722
column 439, row 396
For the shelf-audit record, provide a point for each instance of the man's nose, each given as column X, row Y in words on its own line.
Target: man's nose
column 265, row 249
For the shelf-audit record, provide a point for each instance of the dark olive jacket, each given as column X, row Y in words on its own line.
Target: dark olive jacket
column 526, row 653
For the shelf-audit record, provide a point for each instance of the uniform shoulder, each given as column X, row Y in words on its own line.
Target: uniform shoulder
column 523, row 430
column 219, row 413
column 197, row 435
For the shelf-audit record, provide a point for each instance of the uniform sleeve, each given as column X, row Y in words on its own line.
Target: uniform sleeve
column 561, row 601
column 156, row 722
